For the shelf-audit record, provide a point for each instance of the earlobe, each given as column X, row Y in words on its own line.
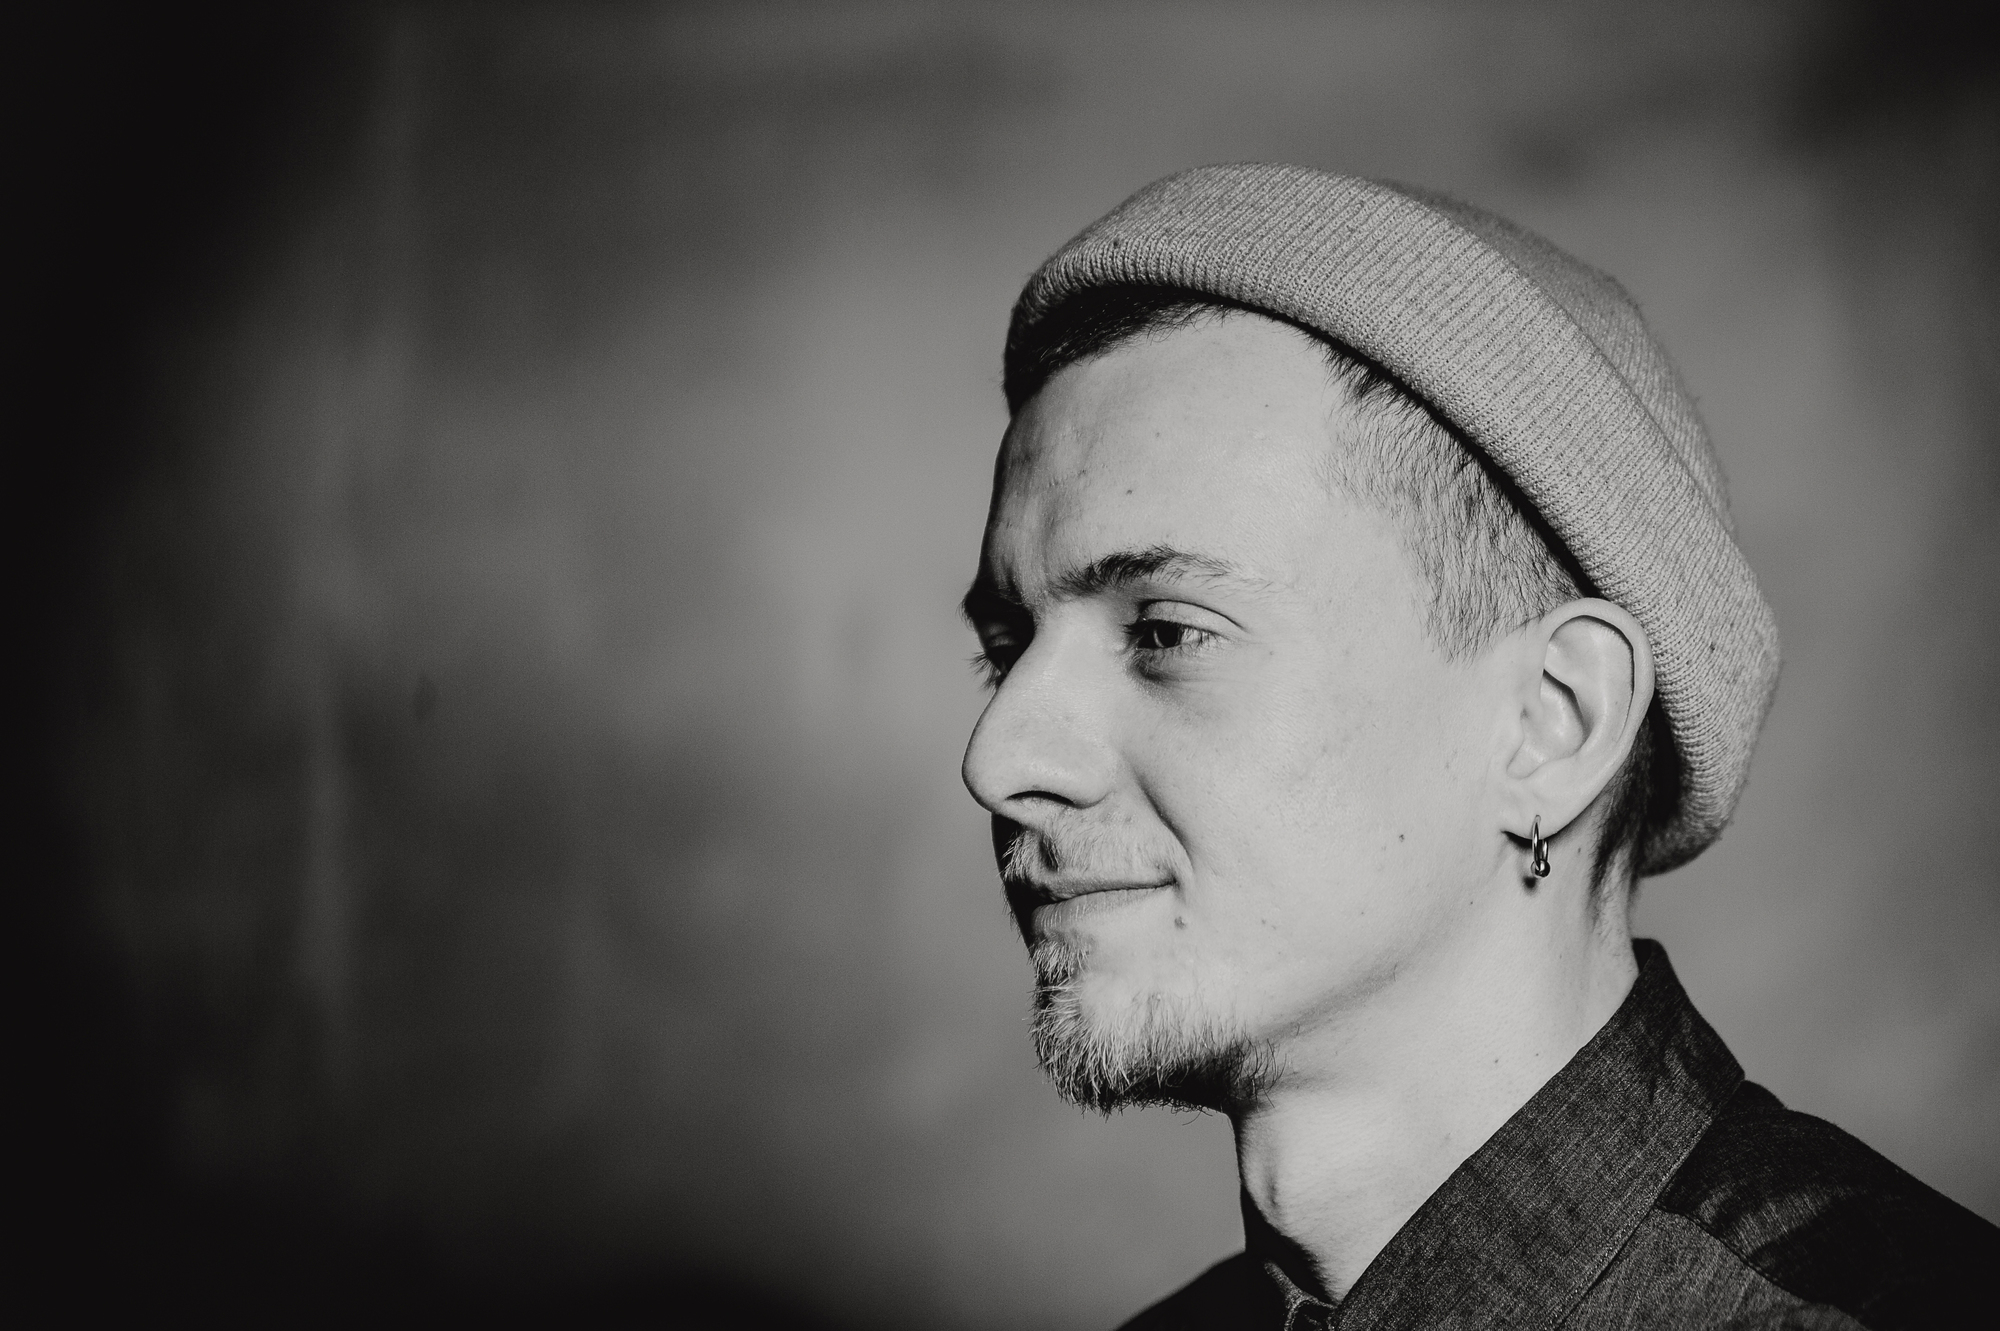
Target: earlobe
column 1587, row 682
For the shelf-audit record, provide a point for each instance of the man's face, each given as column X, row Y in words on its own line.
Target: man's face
column 1234, row 786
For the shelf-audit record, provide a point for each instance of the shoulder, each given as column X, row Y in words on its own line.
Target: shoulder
column 1234, row 1292
column 1828, row 1220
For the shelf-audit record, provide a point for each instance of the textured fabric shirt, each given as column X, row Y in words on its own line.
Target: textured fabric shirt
column 1646, row 1185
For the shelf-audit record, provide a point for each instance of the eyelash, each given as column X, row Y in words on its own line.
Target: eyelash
column 991, row 669
column 1191, row 637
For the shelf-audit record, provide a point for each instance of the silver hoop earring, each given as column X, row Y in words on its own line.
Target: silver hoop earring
column 1538, row 849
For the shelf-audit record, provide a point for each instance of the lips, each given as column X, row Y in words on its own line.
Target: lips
column 1037, row 905
column 1069, row 890
column 1063, row 870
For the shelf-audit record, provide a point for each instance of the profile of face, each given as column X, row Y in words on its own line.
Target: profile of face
column 1235, row 787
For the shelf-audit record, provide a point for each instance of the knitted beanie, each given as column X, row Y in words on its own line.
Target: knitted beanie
column 1539, row 361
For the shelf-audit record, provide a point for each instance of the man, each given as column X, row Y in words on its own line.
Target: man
column 1363, row 620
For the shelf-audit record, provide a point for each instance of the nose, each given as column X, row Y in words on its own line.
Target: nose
column 1042, row 744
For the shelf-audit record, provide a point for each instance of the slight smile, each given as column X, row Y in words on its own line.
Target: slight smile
column 1038, row 908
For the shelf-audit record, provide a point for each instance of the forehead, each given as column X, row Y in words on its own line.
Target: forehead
column 1208, row 438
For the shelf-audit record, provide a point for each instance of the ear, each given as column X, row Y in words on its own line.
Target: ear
column 1585, row 683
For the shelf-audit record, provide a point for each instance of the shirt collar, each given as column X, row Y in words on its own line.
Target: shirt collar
column 1519, row 1231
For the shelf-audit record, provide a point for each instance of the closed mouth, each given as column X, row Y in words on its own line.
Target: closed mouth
column 1053, row 894
column 1037, row 905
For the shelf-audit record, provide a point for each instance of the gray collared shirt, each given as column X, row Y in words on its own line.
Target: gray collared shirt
column 1646, row 1185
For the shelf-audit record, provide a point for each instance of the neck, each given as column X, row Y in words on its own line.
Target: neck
column 1379, row 1105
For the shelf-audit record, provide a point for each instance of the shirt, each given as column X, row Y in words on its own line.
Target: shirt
column 1648, row 1184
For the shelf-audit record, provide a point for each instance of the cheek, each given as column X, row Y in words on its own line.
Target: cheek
column 1285, row 776
column 1332, row 799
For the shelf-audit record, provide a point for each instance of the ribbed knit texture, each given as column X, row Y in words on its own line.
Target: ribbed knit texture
column 1542, row 362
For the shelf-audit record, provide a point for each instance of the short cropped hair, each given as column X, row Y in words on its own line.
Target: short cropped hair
column 1486, row 559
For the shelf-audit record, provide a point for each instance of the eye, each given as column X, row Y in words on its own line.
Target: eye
column 999, row 647
column 1159, row 636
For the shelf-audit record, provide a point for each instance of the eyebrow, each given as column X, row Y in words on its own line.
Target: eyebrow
column 1120, row 568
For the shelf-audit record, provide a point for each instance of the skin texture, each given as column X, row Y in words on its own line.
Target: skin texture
column 1233, row 779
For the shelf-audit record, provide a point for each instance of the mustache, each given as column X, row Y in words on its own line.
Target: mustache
column 1041, row 865
column 1082, row 854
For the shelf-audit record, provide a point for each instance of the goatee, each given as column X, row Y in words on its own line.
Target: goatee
column 1161, row 1052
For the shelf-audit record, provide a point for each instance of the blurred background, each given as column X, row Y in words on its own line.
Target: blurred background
column 493, row 485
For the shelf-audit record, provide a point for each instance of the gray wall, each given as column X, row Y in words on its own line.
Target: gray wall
column 519, row 780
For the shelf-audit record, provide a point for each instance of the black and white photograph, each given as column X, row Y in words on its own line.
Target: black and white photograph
column 1008, row 664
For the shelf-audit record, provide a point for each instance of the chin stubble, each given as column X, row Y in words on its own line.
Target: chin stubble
column 1160, row 1052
